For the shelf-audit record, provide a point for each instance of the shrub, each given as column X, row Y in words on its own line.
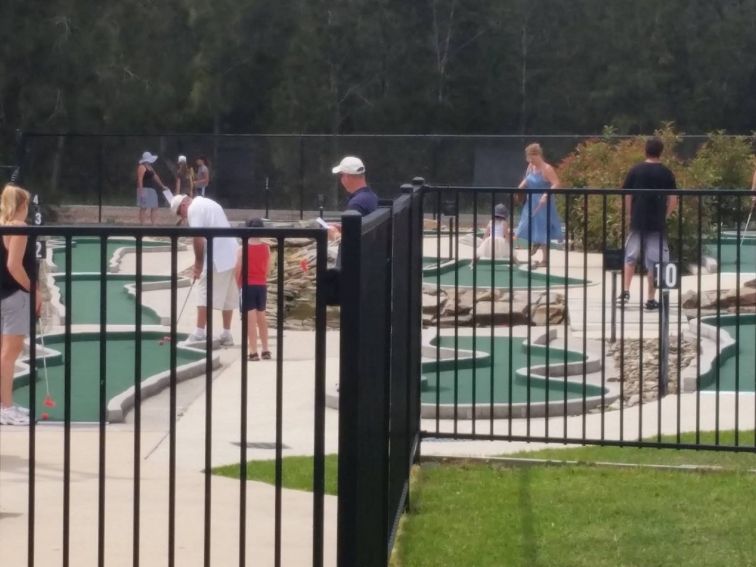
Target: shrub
column 724, row 162
column 602, row 163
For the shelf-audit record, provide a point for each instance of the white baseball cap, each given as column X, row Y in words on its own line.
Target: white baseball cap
column 351, row 166
column 182, row 159
column 176, row 203
column 147, row 157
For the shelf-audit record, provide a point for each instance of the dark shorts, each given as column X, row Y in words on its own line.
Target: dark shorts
column 254, row 297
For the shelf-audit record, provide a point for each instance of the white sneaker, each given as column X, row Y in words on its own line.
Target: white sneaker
column 10, row 416
column 20, row 409
column 226, row 339
column 193, row 339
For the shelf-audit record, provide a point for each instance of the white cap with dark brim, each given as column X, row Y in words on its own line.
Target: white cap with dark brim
column 350, row 165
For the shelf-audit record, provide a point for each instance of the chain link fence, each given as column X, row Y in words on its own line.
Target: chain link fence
column 287, row 172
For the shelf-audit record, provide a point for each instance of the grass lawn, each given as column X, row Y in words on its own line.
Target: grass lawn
column 296, row 472
column 483, row 515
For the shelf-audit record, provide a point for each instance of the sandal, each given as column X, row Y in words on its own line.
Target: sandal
column 266, row 355
column 254, row 356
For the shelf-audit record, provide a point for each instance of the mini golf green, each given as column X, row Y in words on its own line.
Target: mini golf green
column 460, row 273
column 85, row 294
column 727, row 254
column 440, row 376
column 85, row 251
column 120, row 350
column 734, row 369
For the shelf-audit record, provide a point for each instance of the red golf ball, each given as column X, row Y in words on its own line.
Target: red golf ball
column 44, row 416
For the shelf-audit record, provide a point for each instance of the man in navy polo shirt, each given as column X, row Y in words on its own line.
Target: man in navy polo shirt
column 351, row 172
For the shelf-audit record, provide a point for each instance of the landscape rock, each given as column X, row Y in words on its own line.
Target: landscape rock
column 627, row 356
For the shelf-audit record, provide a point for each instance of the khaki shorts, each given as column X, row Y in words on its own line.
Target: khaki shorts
column 225, row 292
column 14, row 314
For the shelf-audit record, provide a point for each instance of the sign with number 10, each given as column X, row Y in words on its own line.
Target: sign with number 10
column 666, row 276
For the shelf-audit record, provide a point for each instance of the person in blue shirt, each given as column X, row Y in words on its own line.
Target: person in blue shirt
column 351, row 172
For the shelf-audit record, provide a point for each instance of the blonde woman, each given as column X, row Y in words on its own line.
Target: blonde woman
column 184, row 178
column 539, row 221
column 17, row 268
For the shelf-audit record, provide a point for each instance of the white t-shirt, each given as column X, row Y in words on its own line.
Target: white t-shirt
column 497, row 231
column 206, row 213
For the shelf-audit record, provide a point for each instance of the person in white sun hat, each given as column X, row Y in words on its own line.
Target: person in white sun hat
column 147, row 179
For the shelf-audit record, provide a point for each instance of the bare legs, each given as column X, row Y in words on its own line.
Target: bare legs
column 257, row 323
column 627, row 279
column 544, row 254
column 143, row 216
column 12, row 345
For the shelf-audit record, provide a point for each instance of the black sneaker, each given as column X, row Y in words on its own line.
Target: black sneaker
column 624, row 298
column 652, row 305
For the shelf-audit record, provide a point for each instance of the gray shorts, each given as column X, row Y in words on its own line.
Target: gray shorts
column 148, row 200
column 14, row 314
column 646, row 246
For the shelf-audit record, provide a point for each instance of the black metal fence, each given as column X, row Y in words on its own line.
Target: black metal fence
column 378, row 438
column 277, row 174
column 380, row 362
column 521, row 345
column 443, row 336
column 80, row 491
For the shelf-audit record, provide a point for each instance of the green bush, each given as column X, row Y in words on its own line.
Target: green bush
column 602, row 163
column 724, row 162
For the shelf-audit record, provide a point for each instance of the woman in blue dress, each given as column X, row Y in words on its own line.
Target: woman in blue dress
column 539, row 220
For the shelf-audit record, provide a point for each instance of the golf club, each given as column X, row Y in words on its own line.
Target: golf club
column 49, row 401
column 748, row 223
column 167, row 338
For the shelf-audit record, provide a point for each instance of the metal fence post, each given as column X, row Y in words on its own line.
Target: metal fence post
column 100, row 164
column 267, row 197
column 18, row 174
column 664, row 347
column 363, row 403
column 301, row 177
column 351, row 263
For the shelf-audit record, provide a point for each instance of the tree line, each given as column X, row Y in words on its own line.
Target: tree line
column 373, row 66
